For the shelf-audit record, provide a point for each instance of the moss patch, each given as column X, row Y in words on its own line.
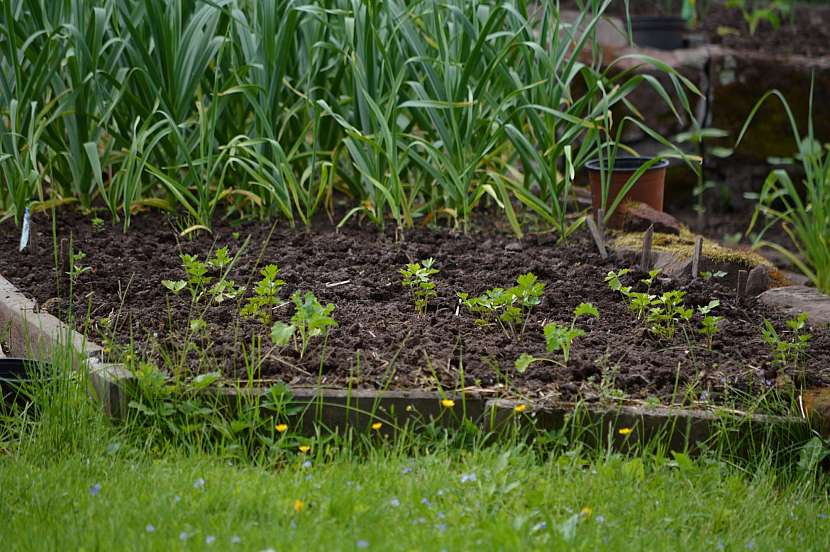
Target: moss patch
column 683, row 246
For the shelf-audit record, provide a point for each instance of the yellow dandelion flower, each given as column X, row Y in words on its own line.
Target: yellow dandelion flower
column 586, row 511
column 447, row 403
column 377, row 425
column 304, row 448
column 625, row 431
column 299, row 505
column 282, row 428
column 520, row 408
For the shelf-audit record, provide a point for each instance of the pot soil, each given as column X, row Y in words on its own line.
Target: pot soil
column 380, row 341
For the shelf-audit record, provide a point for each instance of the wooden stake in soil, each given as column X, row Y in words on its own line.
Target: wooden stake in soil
column 595, row 233
column 645, row 258
column 742, row 275
column 696, row 257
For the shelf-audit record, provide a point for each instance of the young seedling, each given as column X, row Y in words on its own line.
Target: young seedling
column 175, row 286
column 198, row 326
column 710, row 324
column 559, row 337
column 197, row 280
column 311, row 319
column 265, row 295
column 221, row 259
column 418, row 277
column 788, row 352
column 528, row 292
column 639, row 302
column 196, row 274
column 706, row 275
column 76, row 266
column 508, row 307
column 665, row 313
column 614, row 282
column 225, row 289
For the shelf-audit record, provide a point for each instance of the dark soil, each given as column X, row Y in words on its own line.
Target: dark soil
column 806, row 32
column 380, row 341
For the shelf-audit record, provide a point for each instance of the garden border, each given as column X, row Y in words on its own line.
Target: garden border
column 29, row 331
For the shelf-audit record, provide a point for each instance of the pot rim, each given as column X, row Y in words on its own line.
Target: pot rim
column 634, row 162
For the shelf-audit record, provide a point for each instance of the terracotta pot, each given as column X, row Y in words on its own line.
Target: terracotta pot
column 647, row 189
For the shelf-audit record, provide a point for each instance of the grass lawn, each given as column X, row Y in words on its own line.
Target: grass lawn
column 501, row 497
column 73, row 480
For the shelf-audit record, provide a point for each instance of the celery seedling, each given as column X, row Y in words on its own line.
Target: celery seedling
column 220, row 259
column 508, row 306
column 665, row 312
column 196, row 272
column 311, row 319
column 710, row 325
column 417, row 276
column 265, row 294
column 787, row 351
column 560, row 337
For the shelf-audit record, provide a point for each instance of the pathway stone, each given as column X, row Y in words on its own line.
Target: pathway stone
column 797, row 299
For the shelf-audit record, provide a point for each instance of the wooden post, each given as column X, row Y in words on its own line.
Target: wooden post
column 696, row 257
column 595, row 233
column 742, row 275
column 645, row 257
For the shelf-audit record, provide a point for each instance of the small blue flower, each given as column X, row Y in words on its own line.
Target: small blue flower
column 95, row 489
column 183, row 536
column 471, row 477
column 395, row 502
column 541, row 526
column 425, row 501
column 406, row 470
column 307, row 464
column 600, row 519
column 441, row 527
column 176, row 498
column 750, row 545
column 363, row 544
column 441, row 515
column 210, row 539
column 199, row 484
column 150, row 528
column 822, row 516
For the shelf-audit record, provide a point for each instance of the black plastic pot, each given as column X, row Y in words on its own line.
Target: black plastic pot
column 659, row 32
column 15, row 374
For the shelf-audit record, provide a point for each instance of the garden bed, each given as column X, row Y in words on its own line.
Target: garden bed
column 380, row 341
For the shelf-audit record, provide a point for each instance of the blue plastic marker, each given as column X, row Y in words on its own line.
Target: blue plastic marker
column 24, row 236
